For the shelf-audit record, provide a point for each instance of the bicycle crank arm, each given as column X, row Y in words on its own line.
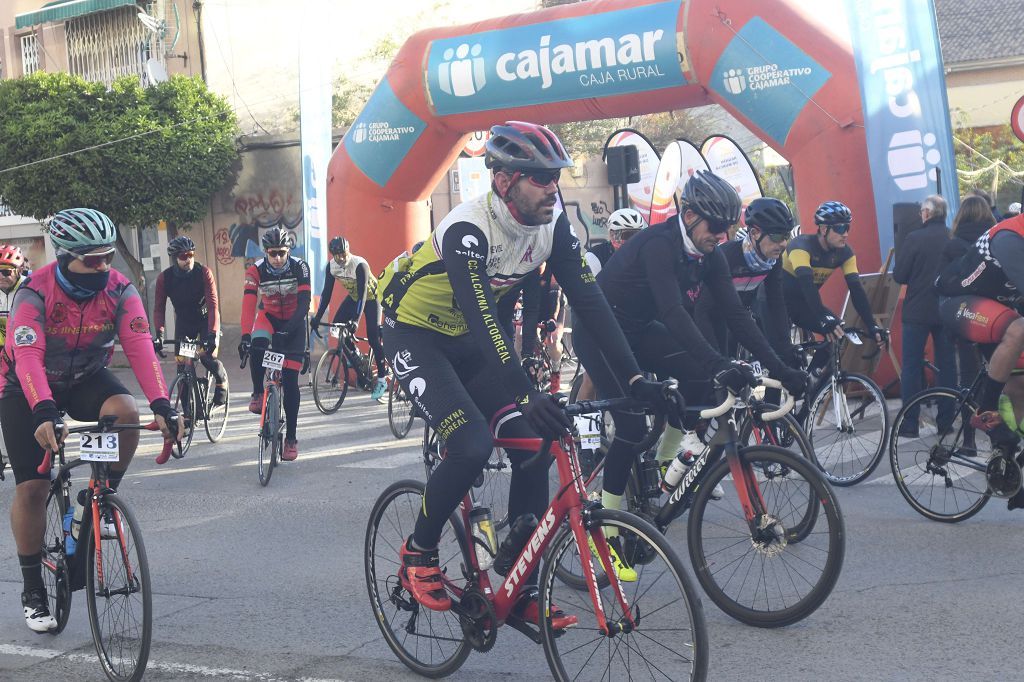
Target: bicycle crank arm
column 532, row 632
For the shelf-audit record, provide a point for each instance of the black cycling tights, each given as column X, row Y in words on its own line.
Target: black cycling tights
column 289, row 381
column 460, row 395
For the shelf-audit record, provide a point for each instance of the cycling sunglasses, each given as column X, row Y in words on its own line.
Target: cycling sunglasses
column 841, row 228
column 186, row 256
column 277, row 253
column 94, row 260
column 716, row 227
column 542, row 178
column 7, row 272
column 778, row 237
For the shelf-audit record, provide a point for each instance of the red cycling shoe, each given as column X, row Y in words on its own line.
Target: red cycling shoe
column 421, row 577
column 529, row 610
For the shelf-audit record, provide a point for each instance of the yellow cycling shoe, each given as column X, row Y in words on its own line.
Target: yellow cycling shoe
column 624, row 571
column 1006, row 412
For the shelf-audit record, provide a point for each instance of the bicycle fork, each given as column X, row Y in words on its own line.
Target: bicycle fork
column 581, row 524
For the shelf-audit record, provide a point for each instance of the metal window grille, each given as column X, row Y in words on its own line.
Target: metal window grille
column 107, row 45
column 29, row 54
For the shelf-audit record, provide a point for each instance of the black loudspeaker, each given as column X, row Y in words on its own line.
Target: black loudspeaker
column 623, row 165
column 906, row 217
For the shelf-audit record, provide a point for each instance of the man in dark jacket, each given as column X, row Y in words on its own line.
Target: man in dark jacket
column 917, row 266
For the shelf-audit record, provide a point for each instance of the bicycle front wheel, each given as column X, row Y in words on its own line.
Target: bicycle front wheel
column 183, row 399
column 778, row 567
column 941, row 470
column 847, row 429
column 269, row 436
column 330, row 381
column 216, row 421
column 56, row 577
column 401, row 412
column 120, row 595
column 662, row 634
column 429, row 642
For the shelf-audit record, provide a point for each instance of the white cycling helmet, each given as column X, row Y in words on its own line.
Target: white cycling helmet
column 626, row 219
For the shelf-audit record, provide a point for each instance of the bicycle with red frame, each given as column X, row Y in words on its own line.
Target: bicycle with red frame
column 272, row 417
column 654, row 623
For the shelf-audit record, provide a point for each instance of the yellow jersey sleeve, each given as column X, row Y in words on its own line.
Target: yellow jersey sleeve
column 850, row 266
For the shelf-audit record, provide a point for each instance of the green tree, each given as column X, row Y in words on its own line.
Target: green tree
column 139, row 155
column 992, row 160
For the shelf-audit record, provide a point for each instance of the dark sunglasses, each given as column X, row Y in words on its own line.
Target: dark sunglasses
column 542, row 178
column 186, row 256
column 841, row 228
column 778, row 237
column 95, row 260
column 277, row 253
column 7, row 272
column 717, row 228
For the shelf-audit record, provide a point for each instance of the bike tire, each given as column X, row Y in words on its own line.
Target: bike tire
column 939, row 484
column 216, row 421
column 684, row 628
column 56, row 576
column 183, row 400
column 330, row 381
column 401, row 411
column 124, row 574
column 391, row 521
column 838, row 467
column 785, row 477
column 269, row 437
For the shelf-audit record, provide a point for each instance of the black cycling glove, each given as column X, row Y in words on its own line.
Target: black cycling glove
column 210, row 343
column 734, row 375
column 662, row 396
column 243, row 347
column 828, row 323
column 795, row 381
column 544, row 414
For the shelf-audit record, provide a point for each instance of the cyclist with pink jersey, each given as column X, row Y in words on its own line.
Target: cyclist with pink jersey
column 63, row 324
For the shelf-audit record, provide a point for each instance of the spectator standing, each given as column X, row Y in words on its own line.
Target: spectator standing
column 917, row 266
column 972, row 220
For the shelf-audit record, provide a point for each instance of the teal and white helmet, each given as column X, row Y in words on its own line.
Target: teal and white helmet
column 81, row 230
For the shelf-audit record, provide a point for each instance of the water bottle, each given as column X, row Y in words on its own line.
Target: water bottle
column 518, row 535
column 70, row 543
column 691, row 447
column 79, row 507
column 483, row 537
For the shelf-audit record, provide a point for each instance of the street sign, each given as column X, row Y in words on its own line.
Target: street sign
column 1017, row 119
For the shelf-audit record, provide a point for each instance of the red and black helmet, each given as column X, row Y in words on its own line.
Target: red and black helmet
column 519, row 146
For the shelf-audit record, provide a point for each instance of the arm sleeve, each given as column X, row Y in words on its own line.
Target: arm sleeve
column 859, row 298
column 160, row 303
column 658, row 257
column 305, row 297
column 138, row 347
column 811, row 296
column 362, row 278
column 507, row 309
column 587, row 301
column 464, row 250
column 1008, row 248
column 250, row 294
column 776, row 319
column 29, row 310
column 737, row 317
column 325, row 295
column 212, row 301
column 531, row 312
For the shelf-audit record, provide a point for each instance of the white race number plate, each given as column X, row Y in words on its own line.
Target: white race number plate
column 187, row 350
column 273, row 360
column 98, row 447
column 335, row 332
column 589, row 427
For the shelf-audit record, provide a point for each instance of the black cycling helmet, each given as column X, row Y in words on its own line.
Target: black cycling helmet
column 832, row 213
column 712, row 198
column 519, row 146
column 277, row 237
column 769, row 215
column 180, row 245
column 338, row 245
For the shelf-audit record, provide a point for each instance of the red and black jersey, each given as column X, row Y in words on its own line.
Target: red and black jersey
column 283, row 297
column 979, row 273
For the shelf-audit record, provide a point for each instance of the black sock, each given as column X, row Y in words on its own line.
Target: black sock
column 32, row 571
column 115, row 478
column 988, row 396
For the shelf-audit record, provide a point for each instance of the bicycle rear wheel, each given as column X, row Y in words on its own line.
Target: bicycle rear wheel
column 428, row 642
column 269, row 437
column 847, row 431
column 669, row 640
column 183, row 399
column 941, row 472
column 120, row 596
column 56, row 577
column 216, row 421
column 330, row 381
column 401, row 412
column 774, row 570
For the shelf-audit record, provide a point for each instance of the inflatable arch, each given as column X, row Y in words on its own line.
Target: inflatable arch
column 771, row 65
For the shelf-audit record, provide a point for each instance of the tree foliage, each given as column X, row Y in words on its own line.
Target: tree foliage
column 992, row 160
column 139, row 155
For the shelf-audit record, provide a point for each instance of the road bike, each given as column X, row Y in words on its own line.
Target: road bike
column 342, row 365
column 272, row 417
column 401, row 410
column 192, row 395
column 109, row 557
column 770, row 551
column 844, row 415
column 653, row 626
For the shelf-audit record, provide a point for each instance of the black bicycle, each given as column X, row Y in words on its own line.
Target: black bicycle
column 192, row 394
column 97, row 544
column 401, row 410
column 341, row 365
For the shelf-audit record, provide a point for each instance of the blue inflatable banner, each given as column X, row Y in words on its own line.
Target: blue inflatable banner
column 906, row 113
column 611, row 53
column 383, row 134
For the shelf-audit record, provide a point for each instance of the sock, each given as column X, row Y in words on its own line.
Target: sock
column 32, row 571
column 610, row 501
column 115, row 478
column 670, row 443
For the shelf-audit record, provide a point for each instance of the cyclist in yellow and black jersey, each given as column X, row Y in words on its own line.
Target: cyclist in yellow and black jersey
column 807, row 264
column 451, row 354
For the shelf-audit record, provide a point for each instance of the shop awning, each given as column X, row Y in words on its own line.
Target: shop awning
column 62, row 10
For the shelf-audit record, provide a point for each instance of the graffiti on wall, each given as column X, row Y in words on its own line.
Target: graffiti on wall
column 256, row 213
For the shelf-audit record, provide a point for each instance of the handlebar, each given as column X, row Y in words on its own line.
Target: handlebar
column 787, row 404
column 106, row 424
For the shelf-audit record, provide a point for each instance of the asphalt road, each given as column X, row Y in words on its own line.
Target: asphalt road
column 267, row 583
